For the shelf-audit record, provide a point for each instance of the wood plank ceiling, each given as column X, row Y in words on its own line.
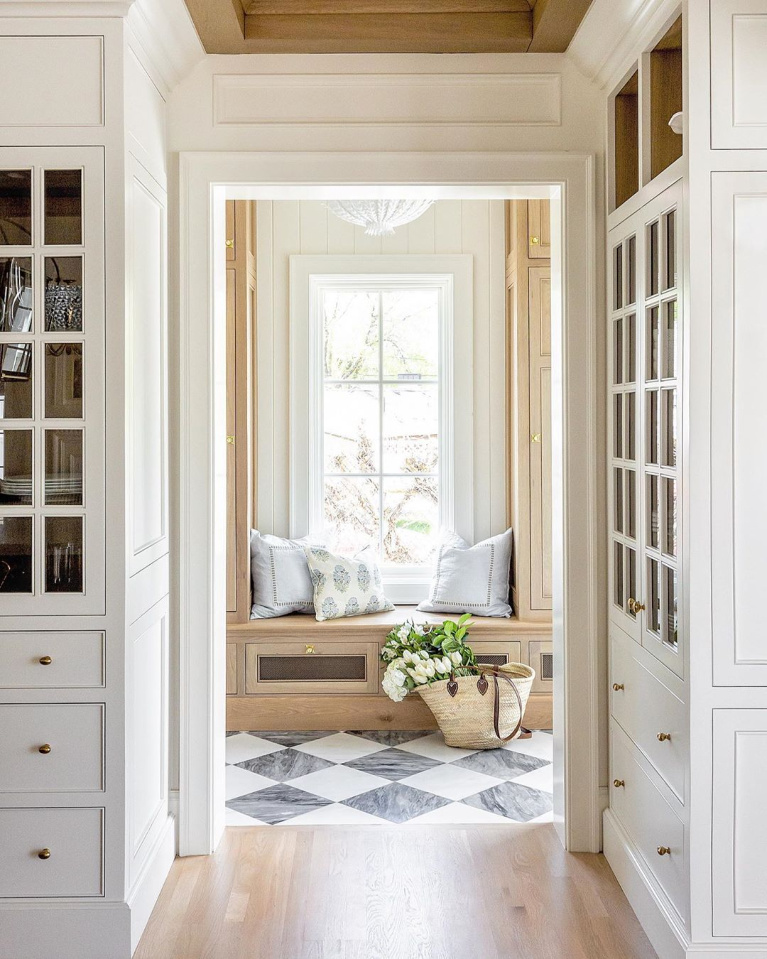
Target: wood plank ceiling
column 386, row 26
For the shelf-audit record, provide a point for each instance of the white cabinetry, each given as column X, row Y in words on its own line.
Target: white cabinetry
column 739, row 90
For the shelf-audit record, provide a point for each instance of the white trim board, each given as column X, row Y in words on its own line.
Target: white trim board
column 206, row 179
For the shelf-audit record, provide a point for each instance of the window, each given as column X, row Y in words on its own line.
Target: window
column 380, row 434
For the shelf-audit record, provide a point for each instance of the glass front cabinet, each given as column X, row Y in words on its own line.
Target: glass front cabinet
column 645, row 442
column 52, row 340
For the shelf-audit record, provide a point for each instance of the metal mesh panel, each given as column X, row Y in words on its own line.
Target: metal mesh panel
column 492, row 659
column 311, row 668
column 547, row 665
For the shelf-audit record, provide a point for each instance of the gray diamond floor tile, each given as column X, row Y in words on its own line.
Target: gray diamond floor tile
column 277, row 803
column 502, row 763
column 513, row 801
column 396, row 803
column 292, row 738
column 391, row 737
column 285, row 764
column 392, row 764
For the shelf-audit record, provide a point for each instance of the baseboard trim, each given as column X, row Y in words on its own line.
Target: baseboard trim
column 714, row 950
column 147, row 887
column 65, row 930
column 662, row 929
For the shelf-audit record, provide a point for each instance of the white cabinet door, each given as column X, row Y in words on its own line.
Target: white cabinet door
column 739, row 822
column 739, row 78
column 738, row 450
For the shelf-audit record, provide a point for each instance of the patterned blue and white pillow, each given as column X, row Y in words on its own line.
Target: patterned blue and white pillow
column 344, row 586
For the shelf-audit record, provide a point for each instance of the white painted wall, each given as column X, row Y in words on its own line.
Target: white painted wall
column 287, row 227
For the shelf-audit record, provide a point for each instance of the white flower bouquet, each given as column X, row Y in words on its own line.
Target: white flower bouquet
column 418, row 654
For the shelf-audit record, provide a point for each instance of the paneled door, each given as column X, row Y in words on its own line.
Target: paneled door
column 645, row 338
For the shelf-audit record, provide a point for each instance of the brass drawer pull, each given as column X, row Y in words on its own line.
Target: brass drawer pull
column 45, row 660
column 309, row 648
column 664, row 737
column 44, row 854
column 618, row 783
column 229, row 244
column 618, row 687
column 45, row 748
column 664, row 851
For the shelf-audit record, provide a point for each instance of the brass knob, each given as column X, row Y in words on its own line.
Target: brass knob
column 44, row 854
column 229, row 244
column 618, row 687
column 664, row 851
column 45, row 748
column 618, row 783
column 230, row 440
column 635, row 606
column 535, row 437
column 45, row 660
column 535, row 240
column 664, row 737
column 309, row 648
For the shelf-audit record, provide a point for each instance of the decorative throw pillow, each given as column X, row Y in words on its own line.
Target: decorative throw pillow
column 472, row 579
column 344, row 586
column 280, row 575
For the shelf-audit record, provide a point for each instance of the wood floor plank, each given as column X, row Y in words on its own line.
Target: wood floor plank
column 405, row 892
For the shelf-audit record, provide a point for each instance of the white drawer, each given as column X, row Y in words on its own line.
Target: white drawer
column 650, row 821
column 647, row 709
column 75, row 735
column 76, row 660
column 74, row 839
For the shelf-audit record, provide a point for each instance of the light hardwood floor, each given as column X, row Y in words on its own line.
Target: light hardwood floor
column 370, row 892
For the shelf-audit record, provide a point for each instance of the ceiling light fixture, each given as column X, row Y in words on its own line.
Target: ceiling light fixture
column 379, row 217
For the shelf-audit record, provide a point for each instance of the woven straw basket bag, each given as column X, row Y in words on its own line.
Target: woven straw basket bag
column 475, row 713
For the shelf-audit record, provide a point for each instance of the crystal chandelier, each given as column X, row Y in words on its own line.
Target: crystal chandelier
column 379, row 217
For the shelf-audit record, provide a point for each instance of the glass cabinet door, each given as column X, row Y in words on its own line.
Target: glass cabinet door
column 52, row 529
column 645, row 427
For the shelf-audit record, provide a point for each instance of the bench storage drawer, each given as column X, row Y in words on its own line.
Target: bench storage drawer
column 311, row 668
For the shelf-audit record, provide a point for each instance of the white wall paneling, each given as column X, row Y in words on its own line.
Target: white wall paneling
column 739, row 90
column 740, row 827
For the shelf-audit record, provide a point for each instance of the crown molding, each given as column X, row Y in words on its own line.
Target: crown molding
column 613, row 34
column 167, row 40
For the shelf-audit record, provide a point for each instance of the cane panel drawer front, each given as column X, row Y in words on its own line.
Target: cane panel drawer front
column 649, row 712
column 649, row 820
column 50, row 660
column 51, row 852
column 48, row 748
column 497, row 653
column 311, row 667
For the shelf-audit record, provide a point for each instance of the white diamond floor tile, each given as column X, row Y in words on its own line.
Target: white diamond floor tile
column 541, row 745
column 240, row 782
column 243, row 746
column 433, row 747
column 341, row 748
column 457, row 813
column 450, row 781
column 542, row 778
column 337, row 815
column 338, row 782
column 234, row 818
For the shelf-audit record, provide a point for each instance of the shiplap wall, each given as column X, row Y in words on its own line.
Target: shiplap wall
column 287, row 227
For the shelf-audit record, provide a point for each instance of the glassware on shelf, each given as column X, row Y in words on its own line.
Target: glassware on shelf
column 16, row 297
column 63, row 554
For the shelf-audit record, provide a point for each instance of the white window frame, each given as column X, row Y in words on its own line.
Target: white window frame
column 452, row 275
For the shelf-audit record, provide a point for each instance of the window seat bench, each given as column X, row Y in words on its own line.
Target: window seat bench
column 294, row 673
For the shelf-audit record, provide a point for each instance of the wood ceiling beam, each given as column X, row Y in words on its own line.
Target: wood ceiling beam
column 220, row 24
column 314, row 7
column 389, row 33
column 555, row 23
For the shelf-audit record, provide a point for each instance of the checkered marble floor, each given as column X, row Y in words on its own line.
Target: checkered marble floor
column 383, row 777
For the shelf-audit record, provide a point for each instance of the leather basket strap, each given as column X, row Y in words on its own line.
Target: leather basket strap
column 497, row 706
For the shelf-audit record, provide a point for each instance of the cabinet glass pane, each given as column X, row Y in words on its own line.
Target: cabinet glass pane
column 631, row 350
column 631, row 503
column 63, row 207
column 16, row 298
column 653, row 604
column 63, row 293
column 653, row 511
column 618, row 351
column 653, row 254
column 618, row 277
column 631, row 576
column 16, row 467
column 669, row 501
column 652, row 427
column 63, row 380
column 669, row 428
column 15, row 381
column 618, row 500
column 630, row 444
column 653, row 343
column 618, row 426
column 669, row 339
column 670, row 270
column 631, row 270
column 670, row 606
column 618, row 574
column 64, row 554
column 63, row 467
column 15, row 554
column 15, row 207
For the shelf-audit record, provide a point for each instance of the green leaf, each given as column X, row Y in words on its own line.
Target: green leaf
column 449, row 626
